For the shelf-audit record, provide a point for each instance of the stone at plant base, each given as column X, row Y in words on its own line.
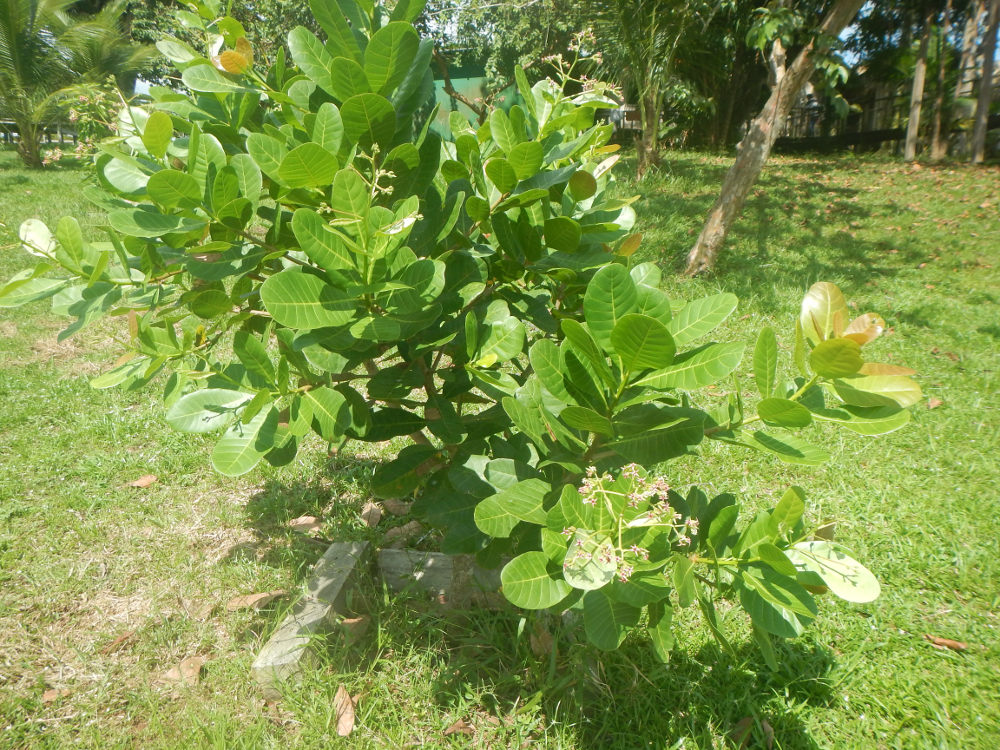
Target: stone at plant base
column 455, row 579
column 328, row 596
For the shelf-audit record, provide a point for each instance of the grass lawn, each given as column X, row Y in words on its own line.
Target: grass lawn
column 106, row 587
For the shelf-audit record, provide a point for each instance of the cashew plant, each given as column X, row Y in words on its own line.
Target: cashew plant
column 296, row 253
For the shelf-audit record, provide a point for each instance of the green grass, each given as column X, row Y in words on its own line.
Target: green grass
column 85, row 559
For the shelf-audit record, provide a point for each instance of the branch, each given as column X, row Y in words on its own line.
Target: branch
column 479, row 109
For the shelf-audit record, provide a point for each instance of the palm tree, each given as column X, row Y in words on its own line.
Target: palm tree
column 45, row 50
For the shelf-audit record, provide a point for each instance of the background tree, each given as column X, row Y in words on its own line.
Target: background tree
column 45, row 49
column 986, row 83
column 755, row 148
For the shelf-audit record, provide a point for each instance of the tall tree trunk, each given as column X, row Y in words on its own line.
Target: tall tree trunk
column 967, row 69
column 29, row 143
column 756, row 145
column 985, row 85
column 917, row 92
column 939, row 140
column 649, row 141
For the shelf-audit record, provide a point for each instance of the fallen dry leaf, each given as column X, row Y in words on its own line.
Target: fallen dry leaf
column 541, row 641
column 117, row 642
column 344, row 706
column 943, row 643
column 459, row 727
column 188, row 672
column 143, row 482
column 397, row 536
column 371, row 514
column 742, row 733
column 254, row 601
column 396, row 507
column 934, row 403
column 355, row 628
column 50, row 696
column 304, row 524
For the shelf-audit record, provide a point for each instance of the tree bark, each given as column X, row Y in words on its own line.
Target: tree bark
column 917, row 92
column 755, row 147
column 985, row 85
column 939, row 141
column 967, row 69
column 649, row 141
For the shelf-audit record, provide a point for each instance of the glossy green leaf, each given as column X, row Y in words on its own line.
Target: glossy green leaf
column 312, row 58
column 308, row 165
column 610, row 296
column 545, row 361
column 642, row 342
column 661, row 635
column 327, row 128
column 171, row 188
column 872, row 420
column 304, row 301
column 780, row 412
column 527, row 584
column 389, row 55
column 323, row 247
column 501, row 174
column 590, row 562
column 878, row 390
column 788, row 448
column 145, row 221
column 330, row 414
column 498, row 514
column 348, row 79
column 31, row 290
column 700, row 317
column 788, row 512
column 502, row 131
column 765, row 362
column 606, row 621
column 526, row 159
column 267, row 153
column 769, row 617
column 206, row 79
column 836, row 358
column 340, row 38
column 684, row 581
column 157, row 133
column 696, row 369
column 823, row 313
column 244, row 445
column 846, row 577
column 206, row 410
column 563, row 234
column 774, row 558
column 368, row 119
column 582, row 185
column 588, row 420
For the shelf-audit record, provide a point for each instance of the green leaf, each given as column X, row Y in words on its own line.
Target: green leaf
column 824, row 312
column 872, row 420
column 328, row 128
column 590, row 561
column 339, row 35
column 788, row 512
column 788, row 448
column 545, row 361
column 244, row 445
column 846, row 577
column 331, row 417
column 504, row 341
column 607, row 621
column 323, row 247
column 684, row 581
column 586, row 419
column 527, row 583
column 312, row 58
column 660, row 634
column 146, row 221
column 652, row 446
column 502, row 132
column 368, row 119
column 775, row 559
column 308, row 165
column 206, row 79
column 836, row 358
column 206, row 410
column 501, row 174
column 780, row 412
column 267, row 153
column 526, row 159
column 878, row 390
column 610, row 296
column 157, row 134
column 696, row 369
column 253, row 354
column 304, row 301
column 402, row 475
column 171, row 188
column 700, row 317
column 389, row 55
column 407, row 10
column 563, row 234
column 765, row 362
column 350, row 197
column 348, row 79
column 498, row 514
column 15, row 294
column 642, row 342
column 582, row 185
